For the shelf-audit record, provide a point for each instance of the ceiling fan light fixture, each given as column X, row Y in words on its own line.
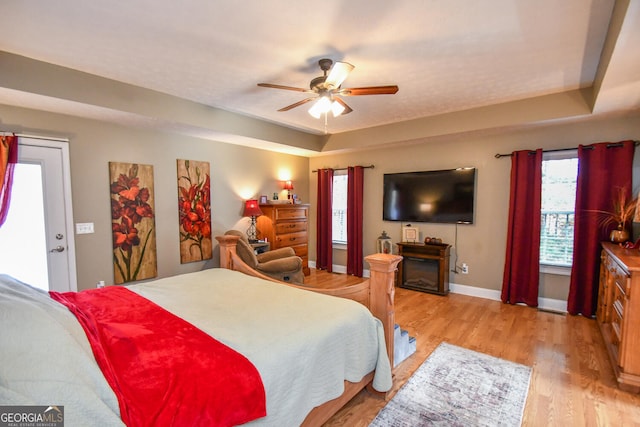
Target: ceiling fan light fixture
column 321, row 106
column 336, row 108
column 339, row 72
column 329, row 92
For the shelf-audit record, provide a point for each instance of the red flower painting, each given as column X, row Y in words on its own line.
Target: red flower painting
column 194, row 209
column 132, row 222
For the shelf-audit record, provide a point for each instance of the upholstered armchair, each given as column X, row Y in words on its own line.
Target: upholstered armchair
column 281, row 263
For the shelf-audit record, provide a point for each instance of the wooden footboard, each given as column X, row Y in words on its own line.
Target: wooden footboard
column 377, row 294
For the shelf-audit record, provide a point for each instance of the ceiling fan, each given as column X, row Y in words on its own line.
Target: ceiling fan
column 327, row 90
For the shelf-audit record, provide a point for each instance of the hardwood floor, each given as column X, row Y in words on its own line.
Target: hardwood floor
column 572, row 383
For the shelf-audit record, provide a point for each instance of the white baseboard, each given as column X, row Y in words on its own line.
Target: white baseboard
column 342, row 269
column 472, row 291
column 547, row 304
column 554, row 305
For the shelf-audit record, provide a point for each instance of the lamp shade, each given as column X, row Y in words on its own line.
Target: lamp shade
column 288, row 185
column 251, row 208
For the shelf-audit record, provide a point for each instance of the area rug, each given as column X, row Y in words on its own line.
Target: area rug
column 459, row 387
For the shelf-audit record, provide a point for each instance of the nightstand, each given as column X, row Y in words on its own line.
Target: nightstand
column 260, row 247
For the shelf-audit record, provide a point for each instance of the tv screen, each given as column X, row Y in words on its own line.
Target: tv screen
column 443, row 196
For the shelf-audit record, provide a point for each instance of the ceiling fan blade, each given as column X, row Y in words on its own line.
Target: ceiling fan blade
column 372, row 90
column 338, row 74
column 297, row 104
column 297, row 89
column 347, row 109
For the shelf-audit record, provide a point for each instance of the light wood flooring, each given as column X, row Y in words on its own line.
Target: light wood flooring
column 572, row 383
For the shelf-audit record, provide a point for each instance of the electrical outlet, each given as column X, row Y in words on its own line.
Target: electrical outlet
column 464, row 268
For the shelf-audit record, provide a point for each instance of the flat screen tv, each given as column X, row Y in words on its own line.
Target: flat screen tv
column 442, row 196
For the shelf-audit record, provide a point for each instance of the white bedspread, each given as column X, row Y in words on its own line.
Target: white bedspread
column 303, row 344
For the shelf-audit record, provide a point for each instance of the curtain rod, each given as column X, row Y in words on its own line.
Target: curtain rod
column 590, row 147
column 344, row 169
column 26, row 135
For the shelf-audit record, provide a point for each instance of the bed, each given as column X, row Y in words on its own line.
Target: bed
column 313, row 352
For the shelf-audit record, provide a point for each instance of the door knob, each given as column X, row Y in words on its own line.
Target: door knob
column 58, row 248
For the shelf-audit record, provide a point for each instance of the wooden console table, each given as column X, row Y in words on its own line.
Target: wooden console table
column 424, row 267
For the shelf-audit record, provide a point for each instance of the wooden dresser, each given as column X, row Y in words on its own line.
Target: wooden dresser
column 286, row 225
column 618, row 312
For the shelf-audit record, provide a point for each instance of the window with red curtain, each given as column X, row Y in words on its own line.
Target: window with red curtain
column 8, row 160
column 324, row 248
column 355, row 187
column 603, row 169
column 521, row 269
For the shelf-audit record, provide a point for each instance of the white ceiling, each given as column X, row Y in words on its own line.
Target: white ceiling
column 445, row 56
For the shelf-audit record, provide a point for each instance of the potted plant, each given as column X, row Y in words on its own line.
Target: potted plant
column 623, row 210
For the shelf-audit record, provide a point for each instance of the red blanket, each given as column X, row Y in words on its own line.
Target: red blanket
column 164, row 371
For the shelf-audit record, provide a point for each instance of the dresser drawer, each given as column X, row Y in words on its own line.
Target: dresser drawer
column 290, row 227
column 616, row 320
column 301, row 250
column 291, row 239
column 288, row 214
column 617, row 328
column 619, row 299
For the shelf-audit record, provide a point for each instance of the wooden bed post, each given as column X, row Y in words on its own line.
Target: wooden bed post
column 382, row 293
column 228, row 244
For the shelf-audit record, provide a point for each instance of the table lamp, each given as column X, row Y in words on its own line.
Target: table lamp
column 288, row 185
column 252, row 210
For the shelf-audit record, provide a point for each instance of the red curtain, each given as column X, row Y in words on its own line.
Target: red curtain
column 522, row 261
column 355, row 189
column 324, row 249
column 8, row 160
column 602, row 169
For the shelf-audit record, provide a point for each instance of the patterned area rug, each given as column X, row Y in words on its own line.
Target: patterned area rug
column 459, row 387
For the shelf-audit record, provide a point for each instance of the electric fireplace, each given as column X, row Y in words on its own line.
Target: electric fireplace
column 424, row 267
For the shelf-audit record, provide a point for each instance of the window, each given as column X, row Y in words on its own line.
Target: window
column 559, row 173
column 339, row 200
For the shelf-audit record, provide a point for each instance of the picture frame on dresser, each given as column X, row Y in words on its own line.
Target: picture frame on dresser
column 263, row 199
column 410, row 234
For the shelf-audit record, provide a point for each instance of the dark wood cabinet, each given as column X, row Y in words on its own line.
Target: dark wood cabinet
column 424, row 267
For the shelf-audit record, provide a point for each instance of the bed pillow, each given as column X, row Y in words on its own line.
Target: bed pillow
column 46, row 359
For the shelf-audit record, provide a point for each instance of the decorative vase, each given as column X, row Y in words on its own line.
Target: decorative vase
column 620, row 235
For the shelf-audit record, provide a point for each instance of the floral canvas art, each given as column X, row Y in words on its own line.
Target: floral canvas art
column 132, row 222
column 194, row 207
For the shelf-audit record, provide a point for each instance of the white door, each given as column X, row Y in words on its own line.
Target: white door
column 36, row 241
